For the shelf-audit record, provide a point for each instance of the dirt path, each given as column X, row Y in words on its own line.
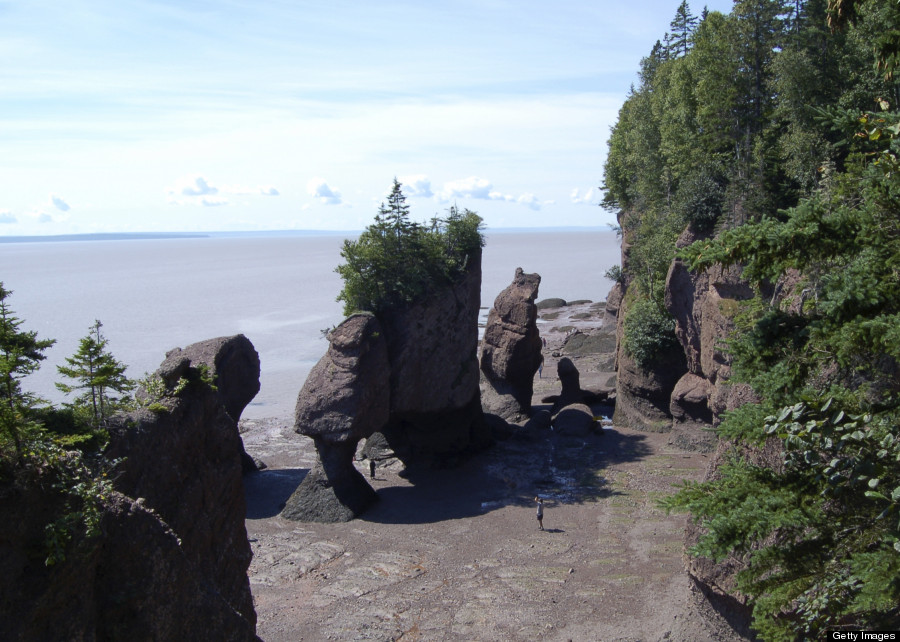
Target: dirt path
column 457, row 554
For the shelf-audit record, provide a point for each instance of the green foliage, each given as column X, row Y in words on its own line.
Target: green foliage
column 649, row 333
column 98, row 373
column 55, row 449
column 396, row 261
column 820, row 532
column 616, row 274
column 83, row 483
column 153, row 390
column 21, row 353
column 760, row 126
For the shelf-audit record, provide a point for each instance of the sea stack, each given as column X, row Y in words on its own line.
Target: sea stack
column 345, row 398
column 511, row 349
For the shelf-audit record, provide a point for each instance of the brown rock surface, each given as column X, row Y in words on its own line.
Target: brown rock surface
column 134, row 582
column 185, row 462
column 171, row 558
column 511, row 349
column 436, row 411
column 345, row 398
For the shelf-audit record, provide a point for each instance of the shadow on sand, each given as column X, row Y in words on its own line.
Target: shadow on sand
column 562, row 470
column 266, row 491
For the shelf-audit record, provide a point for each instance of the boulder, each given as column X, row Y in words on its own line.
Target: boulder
column 570, row 379
column 511, row 349
column 551, row 303
column 690, row 399
column 538, row 422
column 576, row 420
column 345, row 398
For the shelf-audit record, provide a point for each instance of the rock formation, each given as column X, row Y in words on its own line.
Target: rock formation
column 346, row 398
column 574, row 420
column 702, row 304
column 511, row 349
column 238, row 363
column 171, row 560
column 572, row 392
column 436, row 411
column 412, row 376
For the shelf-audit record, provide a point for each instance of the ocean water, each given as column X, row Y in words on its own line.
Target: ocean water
column 156, row 294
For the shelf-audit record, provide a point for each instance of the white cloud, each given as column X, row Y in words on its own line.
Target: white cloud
column 416, row 185
column 58, row 203
column 197, row 190
column 471, row 187
column 497, row 196
column 530, row 200
column 481, row 188
column 587, row 199
column 7, row 217
column 195, row 186
column 40, row 216
column 318, row 188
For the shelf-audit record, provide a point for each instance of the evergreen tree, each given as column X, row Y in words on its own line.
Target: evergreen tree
column 396, row 261
column 98, row 373
column 678, row 40
column 21, row 353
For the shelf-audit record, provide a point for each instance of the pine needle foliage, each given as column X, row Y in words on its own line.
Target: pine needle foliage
column 396, row 261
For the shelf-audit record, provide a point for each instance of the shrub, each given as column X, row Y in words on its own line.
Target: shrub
column 649, row 333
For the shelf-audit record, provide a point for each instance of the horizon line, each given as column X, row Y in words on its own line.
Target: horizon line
column 167, row 235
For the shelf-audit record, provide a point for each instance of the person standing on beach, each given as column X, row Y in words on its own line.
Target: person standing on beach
column 540, row 512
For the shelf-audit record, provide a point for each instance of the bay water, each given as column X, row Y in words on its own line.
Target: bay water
column 279, row 290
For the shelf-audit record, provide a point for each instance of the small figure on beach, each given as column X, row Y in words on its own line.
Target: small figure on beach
column 540, row 512
column 372, row 468
column 541, row 368
column 544, row 342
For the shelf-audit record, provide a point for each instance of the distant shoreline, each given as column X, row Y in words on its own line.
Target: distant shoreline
column 146, row 236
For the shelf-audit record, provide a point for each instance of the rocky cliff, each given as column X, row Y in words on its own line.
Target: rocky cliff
column 171, row 558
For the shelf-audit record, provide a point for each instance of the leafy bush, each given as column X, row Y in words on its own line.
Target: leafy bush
column 396, row 261
column 700, row 199
column 649, row 333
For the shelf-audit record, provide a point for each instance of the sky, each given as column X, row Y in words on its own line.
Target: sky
column 225, row 115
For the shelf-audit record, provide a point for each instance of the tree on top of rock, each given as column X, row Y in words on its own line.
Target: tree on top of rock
column 396, row 261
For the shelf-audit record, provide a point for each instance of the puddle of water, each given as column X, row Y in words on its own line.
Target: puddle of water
column 492, row 505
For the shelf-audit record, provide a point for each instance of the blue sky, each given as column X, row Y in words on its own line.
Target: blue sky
column 131, row 115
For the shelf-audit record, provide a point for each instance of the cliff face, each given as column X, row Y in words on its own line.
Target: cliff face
column 435, row 398
column 688, row 392
column 171, row 560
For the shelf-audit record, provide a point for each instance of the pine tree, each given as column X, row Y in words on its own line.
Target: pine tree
column 678, row 40
column 98, row 373
column 20, row 354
